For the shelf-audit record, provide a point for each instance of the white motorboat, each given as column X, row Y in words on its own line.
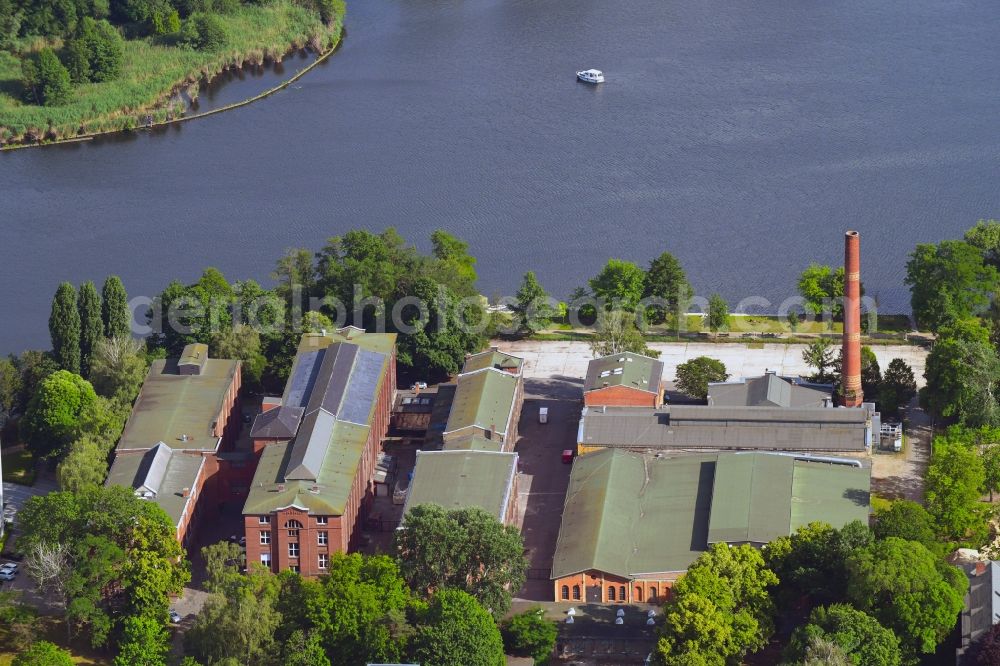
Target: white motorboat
column 591, row 76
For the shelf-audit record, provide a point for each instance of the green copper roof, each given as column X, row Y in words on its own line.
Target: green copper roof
column 758, row 497
column 619, row 521
column 459, row 479
column 493, row 358
column 628, row 513
column 271, row 490
column 473, row 443
column 484, row 398
column 384, row 343
column 625, row 369
column 179, row 410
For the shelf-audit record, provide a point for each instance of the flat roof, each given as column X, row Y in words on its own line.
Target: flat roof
column 769, row 390
column 175, row 473
column 625, row 369
column 484, row 398
column 460, row 479
column 171, row 405
column 681, row 427
column 473, row 443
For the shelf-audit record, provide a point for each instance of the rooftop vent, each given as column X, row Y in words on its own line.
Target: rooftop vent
column 184, row 438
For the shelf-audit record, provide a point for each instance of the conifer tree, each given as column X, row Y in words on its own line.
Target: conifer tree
column 64, row 328
column 114, row 309
column 88, row 303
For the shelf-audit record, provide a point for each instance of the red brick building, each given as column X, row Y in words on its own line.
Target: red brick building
column 185, row 419
column 624, row 380
column 317, row 448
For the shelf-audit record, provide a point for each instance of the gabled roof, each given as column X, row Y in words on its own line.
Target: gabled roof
column 629, row 514
column 982, row 602
column 770, row 390
column 460, row 479
column 310, row 445
column 625, row 369
column 484, row 398
column 493, row 358
column 278, row 423
column 159, row 475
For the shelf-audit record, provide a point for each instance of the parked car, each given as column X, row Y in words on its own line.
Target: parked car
column 175, row 617
column 8, row 574
column 243, row 541
column 567, row 456
column 9, row 566
column 418, row 385
column 543, row 414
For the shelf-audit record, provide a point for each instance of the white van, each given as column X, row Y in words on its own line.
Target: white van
column 543, row 414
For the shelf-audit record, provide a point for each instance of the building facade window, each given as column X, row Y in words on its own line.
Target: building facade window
column 265, row 537
column 621, row 593
column 265, row 559
column 652, row 594
column 611, row 593
column 293, row 550
column 565, row 591
column 638, row 593
column 321, row 538
column 294, row 568
column 293, row 527
column 264, row 520
column 321, row 520
column 324, row 561
column 576, row 592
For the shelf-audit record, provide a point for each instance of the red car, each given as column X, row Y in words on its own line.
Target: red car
column 567, row 456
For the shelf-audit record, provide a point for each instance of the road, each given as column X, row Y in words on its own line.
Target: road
column 547, row 360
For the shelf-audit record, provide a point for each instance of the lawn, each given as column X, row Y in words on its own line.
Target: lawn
column 154, row 69
column 18, row 466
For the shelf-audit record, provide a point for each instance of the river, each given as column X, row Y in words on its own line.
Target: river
column 744, row 137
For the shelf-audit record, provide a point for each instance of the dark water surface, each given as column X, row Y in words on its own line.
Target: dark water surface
column 744, row 136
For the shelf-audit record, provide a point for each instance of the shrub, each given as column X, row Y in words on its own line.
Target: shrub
column 529, row 634
column 46, row 81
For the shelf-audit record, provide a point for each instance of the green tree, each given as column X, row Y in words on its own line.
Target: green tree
column 85, row 464
column 810, row 561
column 820, row 355
column 823, row 652
column 64, row 328
column 118, row 368
column 720, row 610
column 616, row 332
column 619, row 285
column 294, row 271
column 532, row 309
column 666, row 281
column 718, row 313
column 529, row 634
column 948, row 282
column 456, row 631
column 908, row 590
column 822, row 289
column 210, row 30
column 898, row 387
column 985, row 237
column 871, row 374
column 91, row 327
column 45, row 79
column 43, row 653
column 439, row 342
column 146, row 642
column 10, row 387
column 303, row 649
column 55, row 414
column 907, row 520
column 242, row 342
column 694, row 376
column 115, row 312
column 34, row 367
column 858, row 634
column 455, row 268
column 466, row 549
column 961, row 382
column 991, row 468
column 954, row 478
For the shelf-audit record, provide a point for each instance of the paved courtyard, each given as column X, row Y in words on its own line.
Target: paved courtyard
column 545, row 359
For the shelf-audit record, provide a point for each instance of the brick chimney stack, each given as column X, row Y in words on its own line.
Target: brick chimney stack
column 851, row 371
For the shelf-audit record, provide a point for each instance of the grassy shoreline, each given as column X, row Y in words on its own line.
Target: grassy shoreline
column 155, row 74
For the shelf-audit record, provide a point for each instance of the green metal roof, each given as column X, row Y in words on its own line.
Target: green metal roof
column 473, row 443
column 270, row 489
column 384, row 343
column 759, row 497
column 180, row 471
column 629, row 514
column 459, row 479
column 171, row 405
column 492, row 358
column 484, row 398
column 624, row 369
column 619, row 521
column 195, row 353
